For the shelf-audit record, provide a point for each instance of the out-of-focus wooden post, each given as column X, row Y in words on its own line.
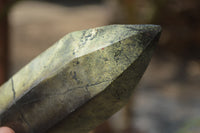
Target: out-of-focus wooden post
column 3, row 43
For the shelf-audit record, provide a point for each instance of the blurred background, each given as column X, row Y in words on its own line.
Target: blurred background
column 167, row 100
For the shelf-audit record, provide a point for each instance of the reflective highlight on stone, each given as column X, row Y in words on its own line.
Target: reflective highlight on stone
column 80, row 81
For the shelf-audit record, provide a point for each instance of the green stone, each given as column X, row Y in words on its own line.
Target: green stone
column 80, row 81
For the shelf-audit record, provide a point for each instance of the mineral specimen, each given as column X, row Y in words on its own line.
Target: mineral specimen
column 80, row 81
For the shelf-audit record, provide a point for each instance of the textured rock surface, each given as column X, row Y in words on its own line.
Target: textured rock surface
column 82, row 80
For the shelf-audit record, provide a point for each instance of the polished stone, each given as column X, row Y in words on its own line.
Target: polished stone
column 80, row 81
